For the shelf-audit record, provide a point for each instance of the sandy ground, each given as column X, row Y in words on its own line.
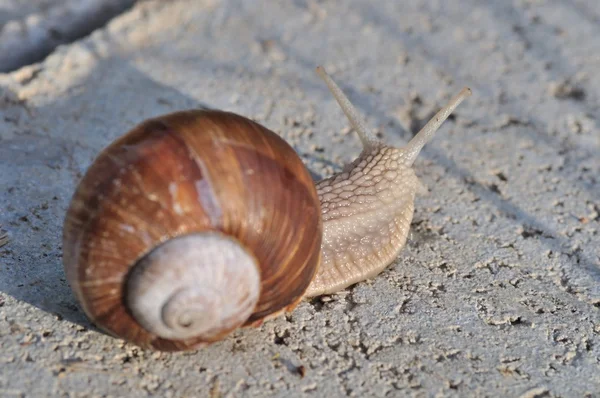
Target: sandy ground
column 496, row 293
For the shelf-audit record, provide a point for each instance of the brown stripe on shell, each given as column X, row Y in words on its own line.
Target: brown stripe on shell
column 269, row 203
column 187, row 172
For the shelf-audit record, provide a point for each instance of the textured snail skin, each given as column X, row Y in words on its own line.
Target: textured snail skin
column 367, row 210
column 182, row 174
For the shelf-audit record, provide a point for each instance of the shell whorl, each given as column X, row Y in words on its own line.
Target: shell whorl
column 186, row 174
column 194, row 286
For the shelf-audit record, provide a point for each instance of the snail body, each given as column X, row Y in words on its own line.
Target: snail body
column 368, row 207
column 198, row 222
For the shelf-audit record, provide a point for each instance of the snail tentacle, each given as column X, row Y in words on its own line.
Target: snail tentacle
column 368, row 140
column 413, row 148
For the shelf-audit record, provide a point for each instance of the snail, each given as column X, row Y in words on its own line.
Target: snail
column 199, row 222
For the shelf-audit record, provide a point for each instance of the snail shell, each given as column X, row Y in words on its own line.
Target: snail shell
column 189, row 226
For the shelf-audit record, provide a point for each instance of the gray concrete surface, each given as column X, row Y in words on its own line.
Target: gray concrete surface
column 497, row 292
column 31, row 29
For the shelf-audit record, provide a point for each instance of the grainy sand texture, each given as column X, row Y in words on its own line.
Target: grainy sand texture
column 497, row 292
